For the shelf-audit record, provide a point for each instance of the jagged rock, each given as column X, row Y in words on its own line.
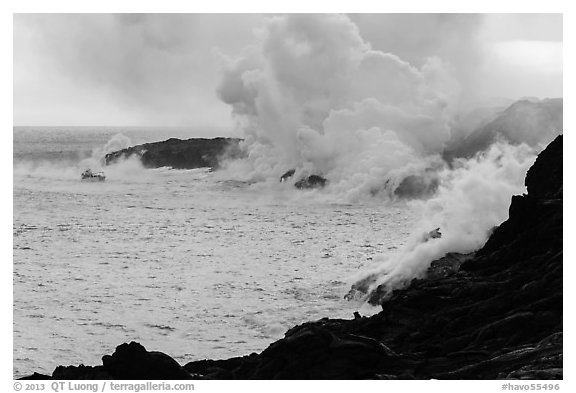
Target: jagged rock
column 544, row 178
column 182, row 154
column 312, row 181
column 447, row 265
column 80, row 372
column 287, row 175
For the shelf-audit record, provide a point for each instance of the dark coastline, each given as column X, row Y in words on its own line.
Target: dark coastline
column 181, row 154
column 497, row 315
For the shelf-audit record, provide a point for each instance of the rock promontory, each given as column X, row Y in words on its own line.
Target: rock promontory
column 182, row 154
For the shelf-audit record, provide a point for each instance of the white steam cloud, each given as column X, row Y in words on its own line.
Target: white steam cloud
column 313, row 96
column 472, row 199
column 125, row 169
column 116, row 143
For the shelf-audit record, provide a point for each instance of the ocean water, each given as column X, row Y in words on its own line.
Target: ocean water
column 187, row 262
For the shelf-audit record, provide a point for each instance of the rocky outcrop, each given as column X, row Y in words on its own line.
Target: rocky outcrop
column 312, row 181
column 307, row 182
column 287, row 175
column 496, row 314
column 129, row 361
column 182, row 154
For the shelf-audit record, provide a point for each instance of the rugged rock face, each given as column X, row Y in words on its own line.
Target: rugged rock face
column 496, row 314
column 312, row 181
column 182, row 154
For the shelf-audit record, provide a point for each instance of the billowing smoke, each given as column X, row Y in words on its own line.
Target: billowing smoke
column 313, row 96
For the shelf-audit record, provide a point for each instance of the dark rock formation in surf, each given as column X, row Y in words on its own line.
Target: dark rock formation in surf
column 496, row 314
column 182, row 154
column 312, row 181
column 287, row 175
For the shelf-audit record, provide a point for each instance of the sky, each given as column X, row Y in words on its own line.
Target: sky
column 165, row 69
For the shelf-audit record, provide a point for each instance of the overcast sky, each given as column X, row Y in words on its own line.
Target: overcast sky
column 164, row 69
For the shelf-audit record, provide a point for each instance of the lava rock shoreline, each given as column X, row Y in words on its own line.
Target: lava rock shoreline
column 496, row 314
column 181, row 154
column 196, row 153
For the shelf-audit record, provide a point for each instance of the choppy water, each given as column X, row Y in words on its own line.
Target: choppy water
column 183, row 261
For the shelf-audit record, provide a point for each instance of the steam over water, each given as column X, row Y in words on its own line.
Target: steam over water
column 183, row 261
column 312, row 95
column 219, row 264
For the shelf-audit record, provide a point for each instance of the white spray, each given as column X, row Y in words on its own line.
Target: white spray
column 65, row 170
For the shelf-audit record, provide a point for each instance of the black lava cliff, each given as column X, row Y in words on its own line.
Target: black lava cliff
column 498, row 316
column 181, row 154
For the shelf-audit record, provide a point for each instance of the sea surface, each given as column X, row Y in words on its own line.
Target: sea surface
column 187, row 262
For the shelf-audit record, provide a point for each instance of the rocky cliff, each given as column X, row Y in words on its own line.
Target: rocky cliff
column 496, row 314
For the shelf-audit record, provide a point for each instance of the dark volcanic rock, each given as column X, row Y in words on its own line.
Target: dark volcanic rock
column 439, row 269
column 133, row 361
column 312, row 181
column 544, row 178
column 182, row 154
column 129, row 361
column 287, row 175
column 80, row 372
column 496, row 314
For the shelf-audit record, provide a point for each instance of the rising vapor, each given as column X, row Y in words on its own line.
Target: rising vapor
column 313, row 95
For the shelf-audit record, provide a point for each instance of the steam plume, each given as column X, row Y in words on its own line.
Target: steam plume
column 312, row 95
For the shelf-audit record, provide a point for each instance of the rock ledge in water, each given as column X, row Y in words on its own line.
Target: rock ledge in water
column 312, row 181
column 182, row 154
